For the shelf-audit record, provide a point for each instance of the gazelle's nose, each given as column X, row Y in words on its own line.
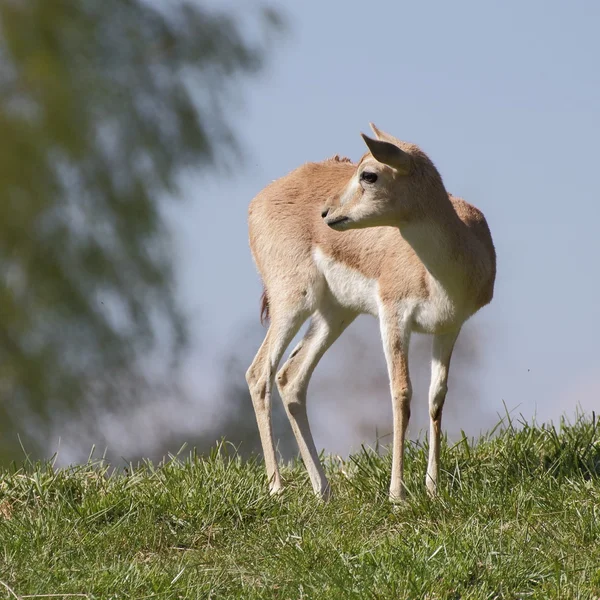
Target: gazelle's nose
column 324, row 212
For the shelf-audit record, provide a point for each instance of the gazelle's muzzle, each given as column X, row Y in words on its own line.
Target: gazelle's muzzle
column 335, row 218
column 335, row 210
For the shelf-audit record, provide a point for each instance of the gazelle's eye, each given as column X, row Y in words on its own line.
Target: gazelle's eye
column 368, row 176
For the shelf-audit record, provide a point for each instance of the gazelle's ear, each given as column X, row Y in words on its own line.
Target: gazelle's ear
column 389, row 154
column 382, row 135
column 378, row 133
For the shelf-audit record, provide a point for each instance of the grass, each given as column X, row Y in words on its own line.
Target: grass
column 518, row 516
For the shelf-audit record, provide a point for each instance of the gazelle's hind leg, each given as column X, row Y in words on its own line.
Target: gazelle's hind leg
column 326, row 325
column 440, row 365
column 285, row 322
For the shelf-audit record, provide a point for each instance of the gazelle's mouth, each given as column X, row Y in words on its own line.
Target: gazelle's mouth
column 338, row 223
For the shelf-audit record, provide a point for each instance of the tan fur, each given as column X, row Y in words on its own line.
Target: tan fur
column 429, row 255
column 289, row 209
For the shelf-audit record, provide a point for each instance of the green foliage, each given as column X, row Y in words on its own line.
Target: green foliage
column 102, row 104
column 518, row 516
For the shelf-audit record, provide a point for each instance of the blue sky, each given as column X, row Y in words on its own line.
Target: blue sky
column 505, row 98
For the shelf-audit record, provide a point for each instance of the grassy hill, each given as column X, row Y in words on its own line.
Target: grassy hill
column 518, row 516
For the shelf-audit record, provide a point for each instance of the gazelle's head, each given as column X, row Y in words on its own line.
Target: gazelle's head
column 394, row 183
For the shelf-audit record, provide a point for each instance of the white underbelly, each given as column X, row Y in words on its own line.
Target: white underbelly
column 348, row 286
column 437, row 313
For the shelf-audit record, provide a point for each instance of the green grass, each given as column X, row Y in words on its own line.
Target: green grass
column 518, row 516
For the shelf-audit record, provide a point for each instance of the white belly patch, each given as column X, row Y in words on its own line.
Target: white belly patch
column 347, row 285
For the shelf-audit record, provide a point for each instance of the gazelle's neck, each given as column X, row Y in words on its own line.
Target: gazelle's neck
column 444, row 245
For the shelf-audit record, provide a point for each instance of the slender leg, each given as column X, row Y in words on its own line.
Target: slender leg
column 260, row 375
column 395, row 333
column 440, row 365
column 292, row 380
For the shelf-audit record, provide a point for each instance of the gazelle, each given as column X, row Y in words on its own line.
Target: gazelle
column 332, row 240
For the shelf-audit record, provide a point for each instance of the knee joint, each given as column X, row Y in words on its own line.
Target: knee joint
column 289, row 381
column 258, row 390
column 402, row 399
column 289, row 389
column 437, row 401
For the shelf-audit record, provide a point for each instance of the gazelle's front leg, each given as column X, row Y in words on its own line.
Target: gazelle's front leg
column 395, row 333
column 440, row 365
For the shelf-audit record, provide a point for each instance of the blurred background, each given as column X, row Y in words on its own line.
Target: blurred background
column 133, row 135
